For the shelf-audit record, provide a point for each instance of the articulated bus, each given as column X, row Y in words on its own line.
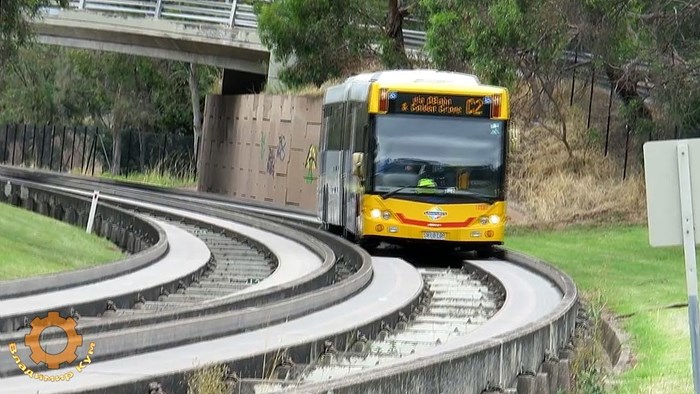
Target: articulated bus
column 414, row 156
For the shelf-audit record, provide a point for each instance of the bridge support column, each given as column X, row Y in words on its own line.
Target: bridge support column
column 273, row 69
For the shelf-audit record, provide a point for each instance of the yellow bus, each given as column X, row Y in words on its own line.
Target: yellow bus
column 413, row 156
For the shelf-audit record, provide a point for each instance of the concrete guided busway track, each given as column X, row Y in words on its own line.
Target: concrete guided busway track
column 507, row 343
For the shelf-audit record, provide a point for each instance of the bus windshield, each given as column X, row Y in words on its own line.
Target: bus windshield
column 429, row 155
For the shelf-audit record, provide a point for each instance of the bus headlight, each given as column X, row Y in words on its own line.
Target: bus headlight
column 375, row 213
column 495, row 219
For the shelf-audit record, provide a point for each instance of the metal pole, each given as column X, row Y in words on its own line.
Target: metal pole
column 34, row 143
column 573, row 78
column 232, row 18
column 72, row 149
column 125, row 167
column 4, row 150
column 690, row 258
column 627, row 142
column 590, row 99
column 94, row 149
column 24, row 143
column 14, row 143
column 163, row 153
column 53, row 137
column 607, row 127
column 43, row 145
column 83, row 166
column 63, row 146
column 93, row 210
column 157, row 11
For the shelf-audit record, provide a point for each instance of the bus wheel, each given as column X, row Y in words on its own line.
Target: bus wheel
column 484, row 252
column 368, row 244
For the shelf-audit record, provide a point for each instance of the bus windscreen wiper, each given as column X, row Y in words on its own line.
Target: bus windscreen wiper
column 392, row 192
column 477, row 196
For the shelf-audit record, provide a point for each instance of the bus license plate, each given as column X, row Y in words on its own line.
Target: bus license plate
column 433, row 235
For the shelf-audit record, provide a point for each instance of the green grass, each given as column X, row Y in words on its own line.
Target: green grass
column 617, row 262
column 32, row 244
column 155, row 178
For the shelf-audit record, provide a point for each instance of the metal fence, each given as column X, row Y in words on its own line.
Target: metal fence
column 88, row 149
column 602, row 115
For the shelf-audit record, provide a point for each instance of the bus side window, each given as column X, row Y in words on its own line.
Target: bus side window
column 463, row 180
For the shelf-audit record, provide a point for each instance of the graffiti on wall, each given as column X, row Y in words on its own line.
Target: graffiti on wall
column 281, row 148
column 263, row 141
column 310, row 164
column 271, row 161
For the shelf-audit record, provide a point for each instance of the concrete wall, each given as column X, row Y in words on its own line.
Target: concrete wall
column 255, row 147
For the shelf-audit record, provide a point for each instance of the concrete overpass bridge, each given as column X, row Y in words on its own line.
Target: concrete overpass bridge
column 221, row 33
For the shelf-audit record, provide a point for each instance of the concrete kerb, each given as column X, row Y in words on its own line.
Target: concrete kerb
column 148, row 241
column 472, row 369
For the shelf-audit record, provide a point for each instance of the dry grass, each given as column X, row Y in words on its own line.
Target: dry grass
column 553, row 188
column 209, row 380
column 587, row 364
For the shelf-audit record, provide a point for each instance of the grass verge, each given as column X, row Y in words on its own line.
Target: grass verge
column 32, row 244
column 156, row 177
column 632, row 280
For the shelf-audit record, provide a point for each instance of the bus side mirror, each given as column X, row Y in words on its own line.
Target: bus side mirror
column 357, row 167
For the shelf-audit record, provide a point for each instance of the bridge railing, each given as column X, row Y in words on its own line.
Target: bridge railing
column 230, row 13
column 226, row 13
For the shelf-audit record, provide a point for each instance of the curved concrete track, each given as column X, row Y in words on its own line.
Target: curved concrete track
column 394, row 285
column 529, row 298
column 186, row 254
column 296, row 261
column 537, row 318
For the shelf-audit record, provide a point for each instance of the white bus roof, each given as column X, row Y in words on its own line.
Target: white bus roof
column 419, row 75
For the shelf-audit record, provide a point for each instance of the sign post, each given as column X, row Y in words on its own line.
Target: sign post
column 673, row 195
column 93, row 210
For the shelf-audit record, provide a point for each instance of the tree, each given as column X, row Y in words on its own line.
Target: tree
column 15, row 24
column 326, row 39
column 320, row 37
column 504, row 42
column 56, row 85
column 648, row 41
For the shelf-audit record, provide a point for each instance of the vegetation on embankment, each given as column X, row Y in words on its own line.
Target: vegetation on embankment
column 615, row 265
column 32, row 244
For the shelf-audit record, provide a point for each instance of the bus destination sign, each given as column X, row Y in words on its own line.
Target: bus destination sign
column 445, row 105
